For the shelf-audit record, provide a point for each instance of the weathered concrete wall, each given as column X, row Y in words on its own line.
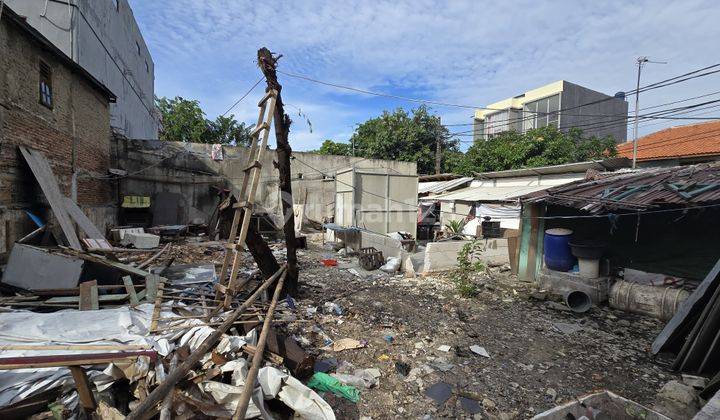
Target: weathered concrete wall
column 187, row 169
column 74, row 135
column 442, row 256
column 104, row 38
column 603, row 118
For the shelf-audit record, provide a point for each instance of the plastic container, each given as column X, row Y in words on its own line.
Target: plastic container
column 329, row 262
column 589, row 267
column 557, row 249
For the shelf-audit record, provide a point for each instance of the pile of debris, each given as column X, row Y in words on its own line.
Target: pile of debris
column 692, row 336
column 180, row 350
column 134, row 326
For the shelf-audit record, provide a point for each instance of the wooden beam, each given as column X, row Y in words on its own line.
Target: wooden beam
column 49, row 185
column 258, row 356
column 62, row 360
column 82, row 384
column 159, row 393
column 129, row 287
column 88, row 300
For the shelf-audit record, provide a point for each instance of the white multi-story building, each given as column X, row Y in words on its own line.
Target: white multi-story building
column 562, row 104
column 103, row 37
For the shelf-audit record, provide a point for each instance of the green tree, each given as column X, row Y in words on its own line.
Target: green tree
column 226, row 130
column 538, row 147
column 399, row 135
column 330, row 147
column 182, row 120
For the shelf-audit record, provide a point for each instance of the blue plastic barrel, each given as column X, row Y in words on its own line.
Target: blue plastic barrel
column 557, row 249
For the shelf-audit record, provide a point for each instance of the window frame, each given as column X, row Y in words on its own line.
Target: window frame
column 45, row 84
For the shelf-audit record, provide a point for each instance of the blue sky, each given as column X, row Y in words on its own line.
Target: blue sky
column 465, row 52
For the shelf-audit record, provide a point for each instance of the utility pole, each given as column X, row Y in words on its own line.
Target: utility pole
column 640, row 62
column 438, row 154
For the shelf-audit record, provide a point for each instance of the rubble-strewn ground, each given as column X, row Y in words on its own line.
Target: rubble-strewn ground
column 532, row 365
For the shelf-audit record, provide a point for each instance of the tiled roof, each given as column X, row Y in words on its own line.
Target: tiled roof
column 683, row 141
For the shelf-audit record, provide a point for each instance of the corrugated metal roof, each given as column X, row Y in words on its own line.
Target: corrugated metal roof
column 609, row 164
column 437, row 187
column 487, row 194
column 640, row 189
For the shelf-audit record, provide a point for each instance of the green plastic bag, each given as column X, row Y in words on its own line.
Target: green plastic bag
column 324, row 382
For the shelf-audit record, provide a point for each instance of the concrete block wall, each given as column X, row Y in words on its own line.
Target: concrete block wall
column 442, row 256
column 187, row 168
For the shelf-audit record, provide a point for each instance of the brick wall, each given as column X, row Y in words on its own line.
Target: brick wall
column 74, row 135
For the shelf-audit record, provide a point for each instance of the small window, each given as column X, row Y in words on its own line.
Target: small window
column 46, row 95
column 137, row 45
column 147, row 67
column 117, row 4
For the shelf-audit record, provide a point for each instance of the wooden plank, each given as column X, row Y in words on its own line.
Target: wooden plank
column 158, row 305
column 141, row 294
column 151, row 286
column 61, row 360
column 114, row 297
column 104, row 261
column 130, row 288
column 53, row 347
column 49, row 185
column 86, row 299
column 82, row 384
column 94, row 301
column 87, row 226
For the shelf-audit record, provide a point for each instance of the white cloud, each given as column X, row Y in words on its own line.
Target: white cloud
column 466, row 52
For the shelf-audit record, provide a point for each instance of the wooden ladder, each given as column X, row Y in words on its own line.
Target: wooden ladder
column 251, row 179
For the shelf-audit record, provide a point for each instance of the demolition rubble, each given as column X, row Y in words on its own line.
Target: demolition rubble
column 202, row 288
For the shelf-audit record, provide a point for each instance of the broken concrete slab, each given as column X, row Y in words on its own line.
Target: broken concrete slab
column 677, row 400
column 34, row 268
column 143, row 240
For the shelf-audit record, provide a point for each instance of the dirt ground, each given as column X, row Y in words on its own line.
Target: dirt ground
column 532, row 367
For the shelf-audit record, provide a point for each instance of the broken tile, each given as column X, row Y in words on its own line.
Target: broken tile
column 440, row 392
column 479, row 350
column 567, row 328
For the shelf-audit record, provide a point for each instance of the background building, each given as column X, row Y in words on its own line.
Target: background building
column 50, row 104
column 562, row 104
column 103, row 37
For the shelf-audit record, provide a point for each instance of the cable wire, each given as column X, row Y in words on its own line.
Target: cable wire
column 244, row 96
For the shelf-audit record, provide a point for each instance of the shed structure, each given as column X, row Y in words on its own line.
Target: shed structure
column 376, row 199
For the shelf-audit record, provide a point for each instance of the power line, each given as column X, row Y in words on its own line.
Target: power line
column 244, row 96
column 418, row 207
column 656, row 85
column 660, row 114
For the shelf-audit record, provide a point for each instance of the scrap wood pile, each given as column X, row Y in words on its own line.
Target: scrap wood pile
column 692, row 336
column 181, row 353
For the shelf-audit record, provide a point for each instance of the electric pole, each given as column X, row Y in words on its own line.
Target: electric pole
column 438, row 154
column 640, row 62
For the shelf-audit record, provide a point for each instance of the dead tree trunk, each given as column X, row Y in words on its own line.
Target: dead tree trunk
column 267, row 64
column 261, row 252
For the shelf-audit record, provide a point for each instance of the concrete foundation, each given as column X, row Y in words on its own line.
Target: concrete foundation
column 563, row 283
